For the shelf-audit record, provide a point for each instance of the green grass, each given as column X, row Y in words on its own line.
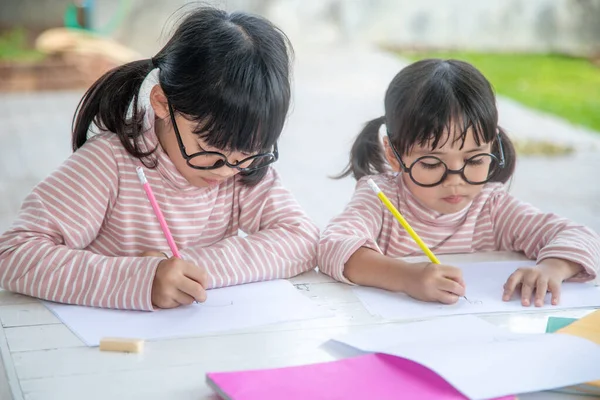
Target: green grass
column 564, row 86
column 13, row 47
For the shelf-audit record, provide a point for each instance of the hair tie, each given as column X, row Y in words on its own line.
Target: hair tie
column 154, row 62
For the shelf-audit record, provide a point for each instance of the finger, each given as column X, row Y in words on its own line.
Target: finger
column 182, row 298
column 446, row 297
column 511, row 284
column 527, row 289
column 541, row 288
column 460, row 281
column 196, row 273
column 166, row 303
column 451, row 272
column 192, row 289
column 451, row 286
column 554, row 288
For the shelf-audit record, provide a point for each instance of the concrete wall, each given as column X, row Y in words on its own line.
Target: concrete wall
column 35, row 14
column 569, row 26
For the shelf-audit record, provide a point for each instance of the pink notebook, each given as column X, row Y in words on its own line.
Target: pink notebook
column 372, row 376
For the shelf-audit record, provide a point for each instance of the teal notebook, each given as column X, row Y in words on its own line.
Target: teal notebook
column 556, row 323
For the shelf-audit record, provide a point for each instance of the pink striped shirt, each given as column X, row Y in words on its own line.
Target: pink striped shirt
column 495, row 220
column 79, row 233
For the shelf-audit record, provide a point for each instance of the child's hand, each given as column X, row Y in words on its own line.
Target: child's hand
column 178, row 282
column 546, row 276
column 435, row 282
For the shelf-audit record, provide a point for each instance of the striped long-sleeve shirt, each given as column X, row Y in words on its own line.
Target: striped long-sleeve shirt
column 78, row 236
column 495, row 220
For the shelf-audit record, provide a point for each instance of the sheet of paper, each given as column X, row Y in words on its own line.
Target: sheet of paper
column 371, row 376
column 483, row 361
column 484, row 282
column 587, row 327
column 230, row 308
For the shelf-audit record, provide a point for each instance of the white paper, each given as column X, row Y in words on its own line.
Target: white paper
column 484, row 287
column 230, row 308
column 483, row 361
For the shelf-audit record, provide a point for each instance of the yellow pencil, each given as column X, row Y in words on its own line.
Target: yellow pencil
column 403, row 222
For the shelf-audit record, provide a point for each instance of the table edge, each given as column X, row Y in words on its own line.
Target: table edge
column 9, row 382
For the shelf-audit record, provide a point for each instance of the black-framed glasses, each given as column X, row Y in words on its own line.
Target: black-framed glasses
column 207, row 160
column 429, row 171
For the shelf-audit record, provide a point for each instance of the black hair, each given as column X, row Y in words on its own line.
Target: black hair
column 230, row 72
column 424, row 102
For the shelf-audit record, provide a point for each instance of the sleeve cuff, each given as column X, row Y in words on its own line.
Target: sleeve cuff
column 586, row 275
column 352, row 246
column 147, row 284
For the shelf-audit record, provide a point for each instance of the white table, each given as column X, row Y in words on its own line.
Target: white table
column 43, row 360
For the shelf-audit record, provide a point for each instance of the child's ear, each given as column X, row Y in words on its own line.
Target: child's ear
column 390, row 156
column 159, row 103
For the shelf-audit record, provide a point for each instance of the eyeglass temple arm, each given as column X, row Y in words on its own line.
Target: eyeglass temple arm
column 501, row 150
column 404, row 167
column 179, row 141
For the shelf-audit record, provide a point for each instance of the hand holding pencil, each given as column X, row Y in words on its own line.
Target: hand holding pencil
column 429, row 281
column 176, row 281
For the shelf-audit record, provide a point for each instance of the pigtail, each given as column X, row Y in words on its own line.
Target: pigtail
column 367, row 155
column 510, row 157
column 106, row 104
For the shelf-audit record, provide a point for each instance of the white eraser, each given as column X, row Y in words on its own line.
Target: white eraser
column 141, row 175
column 373, row 186
column 123, row 345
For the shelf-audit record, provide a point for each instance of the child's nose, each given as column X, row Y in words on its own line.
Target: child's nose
column 453, row 179
column 224, row 171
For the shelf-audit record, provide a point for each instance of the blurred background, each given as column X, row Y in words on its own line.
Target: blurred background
column 541, row 56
